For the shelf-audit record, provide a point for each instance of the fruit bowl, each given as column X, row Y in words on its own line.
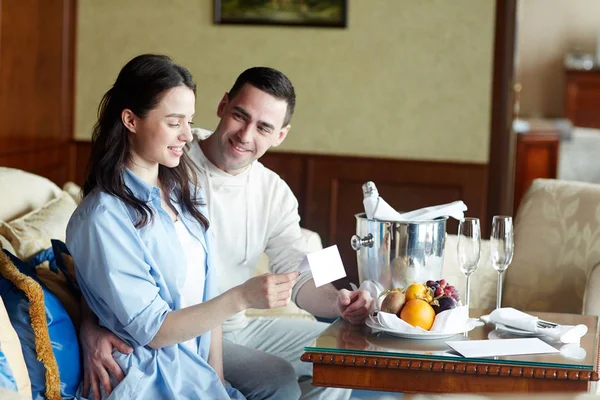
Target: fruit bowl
column 446, row 324
column 420, row 303
column 425, row 335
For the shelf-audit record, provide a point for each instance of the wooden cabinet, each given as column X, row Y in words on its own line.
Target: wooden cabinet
column 537, row 157
column 582, row 98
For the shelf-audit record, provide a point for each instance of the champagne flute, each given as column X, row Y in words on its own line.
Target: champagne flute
column 501, row 249
column 468, row 248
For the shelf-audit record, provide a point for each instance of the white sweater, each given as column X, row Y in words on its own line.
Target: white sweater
column 249, row 213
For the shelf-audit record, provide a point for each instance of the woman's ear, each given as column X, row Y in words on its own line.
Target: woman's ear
column 129, row 120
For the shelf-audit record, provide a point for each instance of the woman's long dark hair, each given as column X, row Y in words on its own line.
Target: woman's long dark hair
column 139, row 87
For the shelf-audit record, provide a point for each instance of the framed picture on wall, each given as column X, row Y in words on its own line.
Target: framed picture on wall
column 324, row 13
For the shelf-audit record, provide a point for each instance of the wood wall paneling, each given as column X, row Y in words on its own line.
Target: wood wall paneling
column 37, row 43
column 81, row 152
column 292, row 169
column 48, row 162
column 335, row 194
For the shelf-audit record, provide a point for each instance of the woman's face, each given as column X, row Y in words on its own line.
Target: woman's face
column 159, row 138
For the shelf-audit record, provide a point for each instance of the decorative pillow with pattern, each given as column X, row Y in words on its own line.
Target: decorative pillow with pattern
column 47, row 335
column 55, row 268
column 7, row 379
column 10, row 345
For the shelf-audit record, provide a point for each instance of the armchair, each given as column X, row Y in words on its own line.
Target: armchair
column 557, row 246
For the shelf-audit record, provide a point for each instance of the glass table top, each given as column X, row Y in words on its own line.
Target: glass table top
column 343, row 338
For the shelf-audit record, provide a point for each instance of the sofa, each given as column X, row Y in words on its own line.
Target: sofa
column 557, row 246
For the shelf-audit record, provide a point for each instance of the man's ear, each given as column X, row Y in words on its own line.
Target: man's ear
column 281, row 135
column 222, row 105
column 129, row 119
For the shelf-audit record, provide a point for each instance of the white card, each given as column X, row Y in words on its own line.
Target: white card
column 326, row 265
column 504, row 347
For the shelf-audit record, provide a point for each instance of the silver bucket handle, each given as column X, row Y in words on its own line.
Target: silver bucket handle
column 357, row 242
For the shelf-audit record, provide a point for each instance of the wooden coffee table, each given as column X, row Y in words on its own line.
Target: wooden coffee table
column 356, row 357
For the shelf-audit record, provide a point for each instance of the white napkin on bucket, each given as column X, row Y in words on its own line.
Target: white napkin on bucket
column 379, row 209
column 456, row 210
column 518, row 319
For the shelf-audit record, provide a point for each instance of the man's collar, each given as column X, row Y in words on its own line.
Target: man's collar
column 213, row 169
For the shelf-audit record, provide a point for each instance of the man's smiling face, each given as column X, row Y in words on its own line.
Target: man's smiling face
column 250, row 124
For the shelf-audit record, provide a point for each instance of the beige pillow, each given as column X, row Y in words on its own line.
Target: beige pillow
column 74, row 190
column 32, row 233
column 11, row 347
column 5, row 244
column 23, row 192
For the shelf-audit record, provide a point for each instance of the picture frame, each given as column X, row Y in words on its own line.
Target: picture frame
column 315, row 13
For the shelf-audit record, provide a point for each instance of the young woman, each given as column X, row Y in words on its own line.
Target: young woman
column 140, row 246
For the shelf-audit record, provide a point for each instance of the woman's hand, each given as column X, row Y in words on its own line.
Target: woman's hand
column 268, row 290
column 97, row 344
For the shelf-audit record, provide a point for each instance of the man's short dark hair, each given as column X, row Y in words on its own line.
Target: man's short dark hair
column 270, row 81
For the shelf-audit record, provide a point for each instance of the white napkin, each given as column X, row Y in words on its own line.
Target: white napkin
column 379, row 209
column 453, row 320
column 374, row 288
column 517, row 319
column 455, row 210
column 566, row 333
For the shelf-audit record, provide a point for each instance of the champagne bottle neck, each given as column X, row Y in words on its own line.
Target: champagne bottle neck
column 370, row 190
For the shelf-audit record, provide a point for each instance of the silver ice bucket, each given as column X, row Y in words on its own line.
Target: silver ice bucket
column 396, row 254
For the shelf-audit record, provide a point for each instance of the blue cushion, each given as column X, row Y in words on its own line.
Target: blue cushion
column 7, row 379
column 62, row 333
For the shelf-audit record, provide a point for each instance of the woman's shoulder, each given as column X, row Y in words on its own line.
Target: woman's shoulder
column 99, row 212
column 100, row 204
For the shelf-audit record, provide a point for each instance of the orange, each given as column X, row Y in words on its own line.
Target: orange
column 418, row 312
column 416, row 291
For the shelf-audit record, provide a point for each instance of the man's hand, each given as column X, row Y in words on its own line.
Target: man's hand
column 97, row 344
column 355, row 306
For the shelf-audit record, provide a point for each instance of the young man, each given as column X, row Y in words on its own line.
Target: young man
column 251, row 211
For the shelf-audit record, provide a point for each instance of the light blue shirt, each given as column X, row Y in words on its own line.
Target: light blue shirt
column 131, row 278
